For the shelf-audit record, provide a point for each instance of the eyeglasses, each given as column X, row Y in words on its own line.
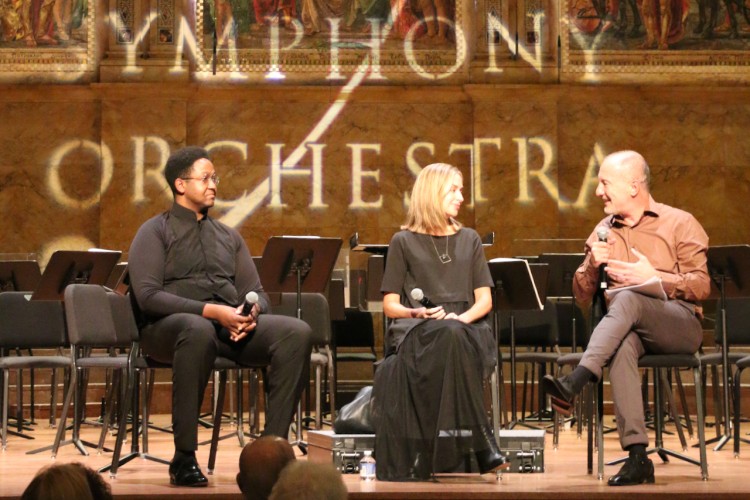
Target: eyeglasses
column 213, row 177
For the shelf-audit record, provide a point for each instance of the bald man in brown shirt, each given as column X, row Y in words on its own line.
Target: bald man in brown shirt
column 645, row 239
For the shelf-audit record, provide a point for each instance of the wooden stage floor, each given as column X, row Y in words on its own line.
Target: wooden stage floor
column 565, row 476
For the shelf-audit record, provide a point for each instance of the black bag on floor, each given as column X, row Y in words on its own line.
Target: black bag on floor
column 355, row 417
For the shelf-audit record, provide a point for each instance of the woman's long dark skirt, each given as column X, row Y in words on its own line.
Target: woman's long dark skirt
column 428, row 400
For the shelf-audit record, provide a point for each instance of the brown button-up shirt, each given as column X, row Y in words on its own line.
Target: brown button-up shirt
column 672, row 239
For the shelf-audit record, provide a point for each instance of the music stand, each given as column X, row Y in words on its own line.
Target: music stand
column 298, row 264
column 729, row 268
column 373, row 248
column 67, row 267
column 20, row 276
column 515, row 290
column 562, row 268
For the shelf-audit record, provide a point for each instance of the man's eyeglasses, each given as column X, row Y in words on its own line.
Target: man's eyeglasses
column 215, row 178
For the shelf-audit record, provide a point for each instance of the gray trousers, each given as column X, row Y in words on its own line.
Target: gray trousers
column 190, row 343
column 633, row 326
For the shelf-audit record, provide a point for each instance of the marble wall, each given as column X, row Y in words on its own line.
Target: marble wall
column 81, row 165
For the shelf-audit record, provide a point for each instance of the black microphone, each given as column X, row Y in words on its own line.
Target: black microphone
column 250, row 300
column 602, row 232
column 418, row 295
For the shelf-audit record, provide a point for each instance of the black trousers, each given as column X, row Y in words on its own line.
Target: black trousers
column 191, row 343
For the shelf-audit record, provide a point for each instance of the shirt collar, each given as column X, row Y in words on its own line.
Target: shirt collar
column 653, row 209
column 185, row 214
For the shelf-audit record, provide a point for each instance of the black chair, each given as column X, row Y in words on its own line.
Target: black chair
column 741, row 364
column 90, row 326
column 315, row 312
column 353, row 341
column 123, row 317
column 737, row 312
column 537, row 332
column 658, row 363
column 29, row 325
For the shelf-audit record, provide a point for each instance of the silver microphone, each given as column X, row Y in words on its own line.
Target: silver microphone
column 602, row 232
column 250, row 300
column 418, row 295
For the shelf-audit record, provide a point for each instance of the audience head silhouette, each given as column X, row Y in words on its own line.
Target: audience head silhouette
column 305, row 480
column 261, row 463
column 72, row 481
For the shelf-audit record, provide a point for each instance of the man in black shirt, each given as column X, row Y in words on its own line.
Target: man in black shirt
column 190, row 274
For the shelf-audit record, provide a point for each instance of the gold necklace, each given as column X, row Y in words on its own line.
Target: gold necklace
column 444, row 258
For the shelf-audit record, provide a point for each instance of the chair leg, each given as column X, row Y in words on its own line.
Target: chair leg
column 332, row 387
column 318, row 403
column 673, row 409
column 683, row 402
column 123, row 425
column 495, row 405
column 718, row 406
column 737, row 412
column 6, row 376
column 114, row 387
column 701, row 425
column 218, row 411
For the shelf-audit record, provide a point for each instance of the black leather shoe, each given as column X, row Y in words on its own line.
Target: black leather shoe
column 561, row 393
column 491, row 461
column 634, row 471
column 489, row 457
column 186, row 473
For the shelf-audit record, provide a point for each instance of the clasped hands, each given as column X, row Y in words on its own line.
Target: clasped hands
column 238, row 325
column 622, row 273
column 433, row 313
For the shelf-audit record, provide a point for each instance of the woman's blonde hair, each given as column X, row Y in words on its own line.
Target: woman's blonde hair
column 426, row 213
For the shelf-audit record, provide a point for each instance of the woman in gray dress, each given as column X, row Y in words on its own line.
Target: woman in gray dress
column 428, row 405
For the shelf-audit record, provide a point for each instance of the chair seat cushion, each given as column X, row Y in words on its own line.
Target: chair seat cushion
column 572, row 358
column 715, row 358
column 668, row 361
column 16, row 362
column 118, row 362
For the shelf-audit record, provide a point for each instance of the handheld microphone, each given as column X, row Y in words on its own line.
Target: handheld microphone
column 418, row 295
column 250, row 300
column 602, row 232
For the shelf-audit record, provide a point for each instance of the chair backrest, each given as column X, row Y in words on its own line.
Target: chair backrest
column 532, row 328
column 126, row 328
column 356, row 330
column 738, row 321
column 88, row 316
column 314, row 312
column 28, row 324
column 566, row 311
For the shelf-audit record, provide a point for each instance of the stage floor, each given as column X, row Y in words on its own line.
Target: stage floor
column 565, row 476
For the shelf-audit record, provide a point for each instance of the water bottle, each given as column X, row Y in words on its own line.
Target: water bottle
column 367, row 467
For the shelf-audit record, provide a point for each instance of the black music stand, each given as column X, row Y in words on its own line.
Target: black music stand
column 729, row 267
column 20, row 276
column 67, row 267
column 562, row 268
column 64, row 268
column 515, row 290
column 373, row 248
column 298, row 264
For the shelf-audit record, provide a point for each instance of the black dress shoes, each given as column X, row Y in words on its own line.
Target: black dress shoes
column 634, row 471
column 491, row 461
column 561, row 392
column 488, row 457
column 185, row 472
